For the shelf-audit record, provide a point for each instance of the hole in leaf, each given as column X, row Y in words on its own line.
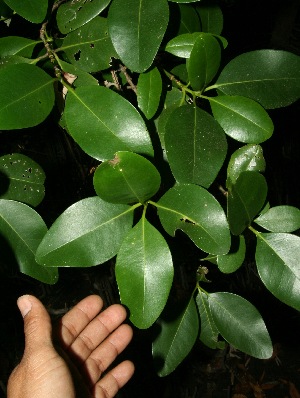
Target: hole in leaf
column 187, row 221
column 92, row 45
column 77, row 55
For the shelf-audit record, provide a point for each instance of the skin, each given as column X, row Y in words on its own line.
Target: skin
column 88, row 342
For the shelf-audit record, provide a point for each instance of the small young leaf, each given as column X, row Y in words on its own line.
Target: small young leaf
column 15, row 45
column 24, row 229
column 89, row 47
column 103, row 123
column 88, row 233
column 127, row 178
column 137, row 28
column 33, row 10
column 280, row 219
column 211, row 18
column 239, row 322
column 182, row 45
column 245, row 199
column 149, row 89
column 178, row 333
column 22, row 179
column 197, row 213
column 242, row 118
column 232, row 261
column 196, row 145
column 30, row 102
column 270, row 77
column 74, row 14
column 144, row 266
column 277, row 259
column 247, row 158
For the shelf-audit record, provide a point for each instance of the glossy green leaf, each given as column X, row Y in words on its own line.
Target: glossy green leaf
column 178, row 332
column 189, row 19
column 144, row 266
column 24, row 229
column 31, row 100
column 233, row 260
column 247, row 158
column 270, row 77
column 242, row 118
column 137, row 28
column 88, row 233
column 149, row 90
column 15, row 45
column 208, row 331
column 103, row 123
column 197, row 213
column 13, row 60
column 182, row 45
column 239, row 322
column 211, row 18
column 82, row 78
column 245, row 199
column 89, row 47
column 22, row 179
column 33, row 10
column 277, row 259
column 204, row 61
column 196, row 145
column 127, row 178
column 74, row 14
column 280, row 219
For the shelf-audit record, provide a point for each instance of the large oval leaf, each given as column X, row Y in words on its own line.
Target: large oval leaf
column 103, row 123
column 242, row 118
column 89, row 47
column 137, row 28
column 280, row 219
column 196, row 145
column 88, row 233
column 178, row 332
column 196, row 212
column 144, row 266
column 245, row 199
column 277, row 259
column 24, row 229
column 270, row 77
column 13, row 45
column 239, row 322
column 33, row 10
column 127, row 178
column 74, row 14
column 31, row 100
column 149, row 89
column 22, row 179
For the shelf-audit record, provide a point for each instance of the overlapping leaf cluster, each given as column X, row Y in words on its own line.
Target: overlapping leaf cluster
column 143, row 85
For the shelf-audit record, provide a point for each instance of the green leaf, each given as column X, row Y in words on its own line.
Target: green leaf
column 31, row 100
column 137, row 28
column 178, row 333
column 247, row 158
column 127, row 178
column 22, row 179
column 184, row 1
column 182, row 45
column 232, row 261
column 245, row 199
column 211, row 18
column 189, row 19
column 196, row 145
column 270, row 77
column 239, row 322
column 74, row 14
column 197, row 213
column 5, row 11
column 277, row 260
column 144, row 266
column 89, row 47
column 33, row 10
column 280, row 219
column 103, row 123
column 24, row 229
column 12, row 60
column 15, row 45
column 204, row 61
column 242, row 118
column 149, row 90
column 208, row 332
column 82, row 78
column 88, row 233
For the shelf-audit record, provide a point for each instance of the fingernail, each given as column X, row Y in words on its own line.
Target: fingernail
column 24, row 305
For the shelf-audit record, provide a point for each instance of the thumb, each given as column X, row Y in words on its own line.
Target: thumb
column 37, row 324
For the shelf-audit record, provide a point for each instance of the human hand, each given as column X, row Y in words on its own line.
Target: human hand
column 90, row 341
